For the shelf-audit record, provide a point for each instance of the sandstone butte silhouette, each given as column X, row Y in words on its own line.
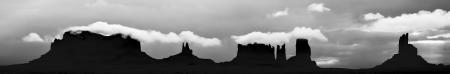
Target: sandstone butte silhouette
column 84, row 51
column 186, row 58
column 406, row 59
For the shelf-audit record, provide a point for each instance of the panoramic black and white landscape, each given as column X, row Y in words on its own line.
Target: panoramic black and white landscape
column 224, row 36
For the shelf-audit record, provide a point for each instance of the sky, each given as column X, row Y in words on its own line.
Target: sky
column 342, row 33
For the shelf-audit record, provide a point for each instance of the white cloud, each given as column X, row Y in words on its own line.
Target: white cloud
column 431, row 50
column 191, row 37
column 439, row 36
column 372, row 16
column 284, row 12
column 429, row 42
column 102, row 3
column 148, row 36
column 318, row 7
column 97, row 3
column 421, row 21
column 32, row 37
column 278, row 38
column 326, row 61
column 415, row 33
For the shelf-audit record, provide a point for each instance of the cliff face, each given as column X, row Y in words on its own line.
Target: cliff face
column 281, row 54
column 406, row 59
column 259, row 54
column 185, row 57
column 303, row 55
column 86, row 48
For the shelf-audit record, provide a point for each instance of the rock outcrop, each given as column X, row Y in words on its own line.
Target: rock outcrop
column 406, row 59
column 255, row 54
column 84, row 48
column 281, row 54
column 303, row 55
column 186, row 57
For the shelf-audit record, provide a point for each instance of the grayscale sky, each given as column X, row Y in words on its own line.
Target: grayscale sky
column 342, row 33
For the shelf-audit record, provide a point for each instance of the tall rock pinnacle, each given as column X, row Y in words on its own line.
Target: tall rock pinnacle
column 406, row 59
column 281, row 54
column 404, row 48
column 303, row 55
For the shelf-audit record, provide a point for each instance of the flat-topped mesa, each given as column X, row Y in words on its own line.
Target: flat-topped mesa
column 303, row 55
column 406, row 59
column 87, row 48
column 302, row 48
column 255, row 54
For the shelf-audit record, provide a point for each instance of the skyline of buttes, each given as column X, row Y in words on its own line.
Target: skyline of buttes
column 353, row 34
column 91, row 52
column 224, row 35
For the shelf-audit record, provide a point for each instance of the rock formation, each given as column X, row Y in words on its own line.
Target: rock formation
column 303, row 55
column 84, row 48
column 185, row 57
column 406, row 59
column 259, row 54
column 281, row 54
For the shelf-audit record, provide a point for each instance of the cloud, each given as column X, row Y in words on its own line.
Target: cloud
column 278, row 38
column 147, row 36
column 102, row 3
column 318, row 7
column 428, row 42
column 432, row 50
column 98, row 3
column 439, row 36
column 191, row 37
column 284, row 12
column 32, row 37
column 372, row 16
column 421, row 21
column 326, row 61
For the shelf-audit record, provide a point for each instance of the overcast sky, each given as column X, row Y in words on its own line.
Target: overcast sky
column 342, row 33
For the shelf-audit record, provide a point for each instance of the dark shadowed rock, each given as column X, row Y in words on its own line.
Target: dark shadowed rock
column 186, row 57
column 281, row 54
column 86, row 49
column 255, row 54
column 303, row 55
column 406, row 59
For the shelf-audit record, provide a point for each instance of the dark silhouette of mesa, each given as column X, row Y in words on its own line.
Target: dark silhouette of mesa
column 84, row 51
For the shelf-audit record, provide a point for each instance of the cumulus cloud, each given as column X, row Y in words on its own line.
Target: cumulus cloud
column 278, row 38
column 279, row 13
column 372, row 16
column 326, row 61
column 33, row 37
column 421, row 21
column 318, row 7
column 148, row 36
column 191, row 37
